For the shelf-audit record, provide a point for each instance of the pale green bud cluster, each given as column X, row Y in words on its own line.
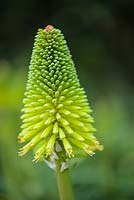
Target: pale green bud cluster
column 56, row 109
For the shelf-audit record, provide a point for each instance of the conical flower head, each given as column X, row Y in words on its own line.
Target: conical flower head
column 56, row 110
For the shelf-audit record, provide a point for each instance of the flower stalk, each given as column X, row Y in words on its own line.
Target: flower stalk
column 56, row 119
column 64, row 183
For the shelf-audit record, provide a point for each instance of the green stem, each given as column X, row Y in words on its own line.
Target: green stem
column 64, row 183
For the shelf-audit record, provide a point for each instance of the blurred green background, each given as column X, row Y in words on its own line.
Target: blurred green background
column 100, row 35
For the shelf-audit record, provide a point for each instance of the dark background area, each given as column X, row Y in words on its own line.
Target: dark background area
column 100, row 35
column 109, row 23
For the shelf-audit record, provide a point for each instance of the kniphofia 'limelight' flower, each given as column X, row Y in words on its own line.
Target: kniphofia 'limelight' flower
column 56, row 114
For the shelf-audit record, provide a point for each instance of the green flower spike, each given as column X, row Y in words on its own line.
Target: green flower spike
column 56, row 114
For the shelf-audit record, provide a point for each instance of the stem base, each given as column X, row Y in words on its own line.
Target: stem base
column 64, row 183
